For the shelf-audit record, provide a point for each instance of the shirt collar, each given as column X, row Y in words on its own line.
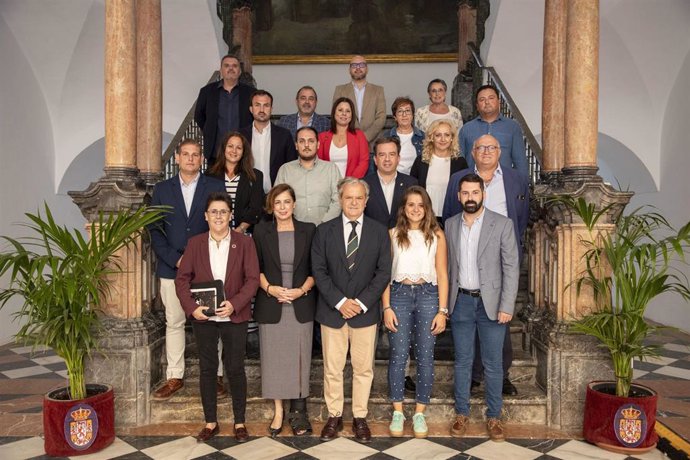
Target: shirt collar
column 498, row 170
column 193, row 181
column 389, row 182
column 477, row 220
column 500, row 118
column 359, row 220
column 225, row 239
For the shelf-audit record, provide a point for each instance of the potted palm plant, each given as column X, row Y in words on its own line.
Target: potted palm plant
column 61, row 278
column 626, row 268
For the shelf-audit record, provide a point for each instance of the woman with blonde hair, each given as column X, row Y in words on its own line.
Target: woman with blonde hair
column 415, row 304
column 440, row 159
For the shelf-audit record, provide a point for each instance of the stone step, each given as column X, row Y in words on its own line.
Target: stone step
column 528, row 407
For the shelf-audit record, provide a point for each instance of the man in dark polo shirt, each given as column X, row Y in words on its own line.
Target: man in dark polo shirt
column 222, row 106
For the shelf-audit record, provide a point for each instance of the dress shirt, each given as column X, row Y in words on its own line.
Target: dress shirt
column 316, row 189
column 218, row 257
column 301, row 125
column 495, row 193
column 359, row 99
column 347, row 229
column 188, row 191
column 261, row 149
column 509, row 135
column 388, row 189
column 228, row 109
column 469, row 270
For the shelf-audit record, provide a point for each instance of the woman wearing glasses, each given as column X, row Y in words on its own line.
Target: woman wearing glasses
column 235, row 165
column 438, row 109
column 220, row 254
column 411, row 138
column 440, row 159
column 285, row 307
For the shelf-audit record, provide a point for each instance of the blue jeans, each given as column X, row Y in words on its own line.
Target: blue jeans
column 468, row 318
column 415, row 307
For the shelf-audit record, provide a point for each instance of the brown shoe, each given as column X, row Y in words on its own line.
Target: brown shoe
column 361, row 430
column 220, row 387
column 495, row 429
column 459, row 428
column 331, row 428
column 241, row 434
column 207, row 433
column 168, row 389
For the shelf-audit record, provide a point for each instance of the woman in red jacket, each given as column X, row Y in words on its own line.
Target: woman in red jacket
column 344, row 145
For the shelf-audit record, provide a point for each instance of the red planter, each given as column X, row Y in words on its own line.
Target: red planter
column 620, row 424
column 78, row 427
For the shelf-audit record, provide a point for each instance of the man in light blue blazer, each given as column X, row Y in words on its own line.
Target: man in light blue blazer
column 483, row 268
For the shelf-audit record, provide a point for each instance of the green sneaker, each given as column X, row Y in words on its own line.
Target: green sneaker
column 419, row 425
column 397, row 424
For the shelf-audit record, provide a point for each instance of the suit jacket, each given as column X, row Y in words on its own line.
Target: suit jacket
column 320, row 123
column 517, row 200
column 497, row 260
column 241, row 275
column 206, row 113
column 267, row 309
column 249, row 199
column 282, row 147
column 420, row 169
column 367, row 280
column 357, row 152
column 377, row 208
column 373, row 108
column 169, row 236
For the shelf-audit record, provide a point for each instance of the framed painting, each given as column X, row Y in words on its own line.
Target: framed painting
column 331, row 31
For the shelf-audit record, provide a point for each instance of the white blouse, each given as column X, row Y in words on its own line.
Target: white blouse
column 416, row 262
column 437, row 182
column 338, row 155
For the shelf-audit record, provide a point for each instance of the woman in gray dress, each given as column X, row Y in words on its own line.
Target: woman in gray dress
column 284, row 308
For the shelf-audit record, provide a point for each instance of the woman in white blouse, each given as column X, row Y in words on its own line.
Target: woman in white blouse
column 438, row 109
column 416, row 303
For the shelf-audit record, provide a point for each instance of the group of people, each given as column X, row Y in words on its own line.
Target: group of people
column 309, row 235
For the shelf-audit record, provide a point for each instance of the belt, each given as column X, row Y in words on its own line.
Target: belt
column 471, row 292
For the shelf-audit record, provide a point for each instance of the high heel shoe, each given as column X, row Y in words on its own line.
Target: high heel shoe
column 273, row 432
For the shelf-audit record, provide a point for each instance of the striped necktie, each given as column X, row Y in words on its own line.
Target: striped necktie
column 352, row 245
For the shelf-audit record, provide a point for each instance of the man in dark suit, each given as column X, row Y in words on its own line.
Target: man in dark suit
column 272, row 146
column 351, row 263
column 483, row 272
column 186, row 194
column 507, row 193
column 222, row 106
column 386, row 184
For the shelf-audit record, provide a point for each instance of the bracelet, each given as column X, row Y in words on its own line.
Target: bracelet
column 304, row 292
column 267, row 288
column 386, row 308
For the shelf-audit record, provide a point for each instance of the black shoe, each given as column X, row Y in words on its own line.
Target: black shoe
column 474, row 387
column 410, row 386
column 508, row 388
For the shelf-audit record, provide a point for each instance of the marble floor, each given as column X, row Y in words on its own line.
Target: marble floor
column 25, row 376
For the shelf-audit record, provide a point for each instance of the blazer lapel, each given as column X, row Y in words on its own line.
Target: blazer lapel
column 339, row 237
column 367, row 100
column 487, row 228
column 232, row 262
column 177, row 193
column 397, row 196
column 377, row 195
column 274, row 245
column 198, row 194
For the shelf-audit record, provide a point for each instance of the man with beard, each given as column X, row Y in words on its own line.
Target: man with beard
column 272, row 145
column 306, row 113
column 369, row 100
column 315, row 181
column 483, row 273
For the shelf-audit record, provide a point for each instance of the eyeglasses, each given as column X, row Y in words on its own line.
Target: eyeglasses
column 219, row 212
column 358, row 65
column 486, row 148
column 404, row 112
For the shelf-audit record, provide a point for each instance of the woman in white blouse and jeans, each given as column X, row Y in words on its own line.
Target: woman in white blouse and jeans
column 416, row 303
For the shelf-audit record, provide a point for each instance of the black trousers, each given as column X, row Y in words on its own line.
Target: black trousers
column 478, row 368
column 234, row 338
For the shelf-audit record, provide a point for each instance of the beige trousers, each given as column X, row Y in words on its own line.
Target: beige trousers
column 362, row 344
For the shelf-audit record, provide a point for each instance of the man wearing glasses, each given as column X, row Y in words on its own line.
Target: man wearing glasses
column 369, row 100
column 186, row 196
column 506, row 193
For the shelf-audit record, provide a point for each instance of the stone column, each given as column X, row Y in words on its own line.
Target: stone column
column 582, row 87
column 553, row 87
column 149, row 90
column 242, row 36
column 467, row 33
column 120, row 88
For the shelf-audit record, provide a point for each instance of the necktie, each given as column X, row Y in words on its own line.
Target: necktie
column 352, row 245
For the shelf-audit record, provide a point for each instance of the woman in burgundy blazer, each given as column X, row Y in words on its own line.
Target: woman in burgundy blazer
column 240, row 282
column 343, row 132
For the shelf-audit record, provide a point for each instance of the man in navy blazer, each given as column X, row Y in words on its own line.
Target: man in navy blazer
column 272, row 146
column 386, row 184
column 351, row 264
column 186, row 194
column 306, row 115
column 507, row 193
column 222, row 106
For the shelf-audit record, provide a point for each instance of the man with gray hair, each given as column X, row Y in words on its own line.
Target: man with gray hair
column 351, row 263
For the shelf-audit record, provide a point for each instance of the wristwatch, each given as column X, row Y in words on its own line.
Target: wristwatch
column 444, row 311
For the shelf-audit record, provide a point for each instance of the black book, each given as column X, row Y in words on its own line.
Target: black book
column 209, row 294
